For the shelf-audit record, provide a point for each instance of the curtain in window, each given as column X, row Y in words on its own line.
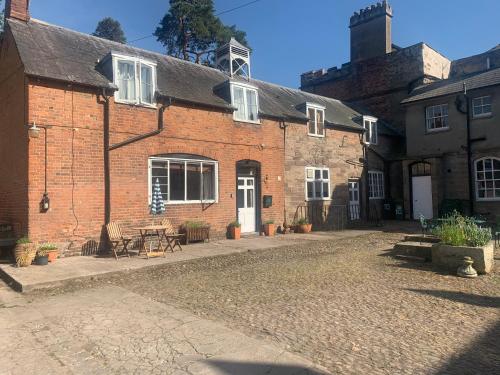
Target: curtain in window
column 252, row 105
column 146, row 84
column 239, row 103
column 208, row 182
column 126, row 80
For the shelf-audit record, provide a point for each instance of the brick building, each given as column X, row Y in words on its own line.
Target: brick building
column 89, row 126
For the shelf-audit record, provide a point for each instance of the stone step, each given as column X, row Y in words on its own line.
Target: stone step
column 421, row 238
column 415, row 249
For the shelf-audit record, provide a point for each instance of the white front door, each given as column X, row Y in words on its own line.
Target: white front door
column 354, row 207
column 422, row 197
column 246, row 204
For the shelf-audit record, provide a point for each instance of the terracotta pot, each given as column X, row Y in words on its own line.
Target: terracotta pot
column 24, row 254
column 269, row 230
column 304, row 228
column 235, row 232
column 53, row 255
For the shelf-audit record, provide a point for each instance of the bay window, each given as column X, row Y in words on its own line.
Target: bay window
column 184, row 180
column 317, row 183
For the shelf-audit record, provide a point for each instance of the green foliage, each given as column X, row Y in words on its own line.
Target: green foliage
column 268, row 222
column 303, row 221
column 458, row 230
column 23, row 241
column 194, row 224
column 110, row 29
column 47, row 247
column 191, row 31
column 235, row 224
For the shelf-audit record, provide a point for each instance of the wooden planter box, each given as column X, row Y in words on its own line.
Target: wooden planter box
column 196, row 234
column 451, row 257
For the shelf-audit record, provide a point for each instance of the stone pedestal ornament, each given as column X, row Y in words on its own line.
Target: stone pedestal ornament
column 466, row 270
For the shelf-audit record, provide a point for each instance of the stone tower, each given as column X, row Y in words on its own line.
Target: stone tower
column 371, row 32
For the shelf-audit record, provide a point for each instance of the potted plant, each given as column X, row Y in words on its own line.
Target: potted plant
column 235, row 230
column 24, row 252
column 196, row 231
column 303, row 226
column 42, row 257
column 51, row 249
column 269, row 228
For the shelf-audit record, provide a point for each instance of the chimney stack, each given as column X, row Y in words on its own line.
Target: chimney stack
column 18, row 9
column 371, row 32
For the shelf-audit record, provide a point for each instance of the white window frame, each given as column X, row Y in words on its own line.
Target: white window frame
column 432, row 119
column 313, row 180
column 245, row 88
column 376, row 185
column 138, row 63
column 481, row 105
column 371, row 130
column 493, row 179
column 185, row 161
column 317, row 108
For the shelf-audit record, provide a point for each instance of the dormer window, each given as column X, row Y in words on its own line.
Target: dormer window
column 135, row 79
column 245, row 99
column 316, row 124
column 371, row 130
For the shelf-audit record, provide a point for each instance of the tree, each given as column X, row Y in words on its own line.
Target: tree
column 110, row 29
column 191, row 31
column 2, row 15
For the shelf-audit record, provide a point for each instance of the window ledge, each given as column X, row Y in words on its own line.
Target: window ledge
column 488, row 199
column 440, row 130
column 172, row 203
column 248, row 122
column 318, row 199
column 483, row 116
column 316, row 135
column 135, row 104
column 377, row 199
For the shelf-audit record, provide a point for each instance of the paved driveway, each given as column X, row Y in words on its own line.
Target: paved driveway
column 348, row 305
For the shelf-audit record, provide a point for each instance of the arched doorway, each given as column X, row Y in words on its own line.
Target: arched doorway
column 248, row 195
column 421, row 190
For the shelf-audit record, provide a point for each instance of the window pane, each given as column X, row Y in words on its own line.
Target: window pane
column 240, row 198
column 208, row 181
column 250, row 202
column 312, row 120
column 252, row 105
column 193, row 181
column 147, row 84
column 317, row 174
column 159, row 175
column 126, row 80
column 177, row 181
column 325, row 174
column 320, row 122
column 326, row 193
column 239, row 103
column 310, row 190
column 317, row 189
column 310, row 173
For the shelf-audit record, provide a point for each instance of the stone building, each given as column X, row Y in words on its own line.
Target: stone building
column 88, row 127
column 406, row 87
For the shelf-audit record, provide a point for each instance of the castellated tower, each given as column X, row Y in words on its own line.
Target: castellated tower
column 371, row 30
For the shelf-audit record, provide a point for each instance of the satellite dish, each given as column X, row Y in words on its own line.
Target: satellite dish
column 461, row 103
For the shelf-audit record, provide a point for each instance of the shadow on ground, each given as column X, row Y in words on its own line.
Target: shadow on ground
column 481, row 357
column 470, row 299
column 248, row 368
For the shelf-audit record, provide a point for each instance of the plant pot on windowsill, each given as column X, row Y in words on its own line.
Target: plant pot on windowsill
column 235, row 231
column 269, row 228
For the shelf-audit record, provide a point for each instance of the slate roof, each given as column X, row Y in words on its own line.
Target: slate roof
column 454, row 85
column 55, row 52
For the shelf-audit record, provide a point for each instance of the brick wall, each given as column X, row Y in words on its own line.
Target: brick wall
column 76, row 160
column 13, row 139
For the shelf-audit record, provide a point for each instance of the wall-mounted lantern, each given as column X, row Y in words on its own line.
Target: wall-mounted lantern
column 34, row 131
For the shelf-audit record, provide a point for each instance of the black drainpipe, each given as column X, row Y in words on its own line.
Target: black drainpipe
column 108, row 148
column 469, row 157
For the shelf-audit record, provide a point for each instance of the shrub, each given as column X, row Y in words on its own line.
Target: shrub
column 268, row 222
column 235, row 224
column 303, row 221
column 457, row 230
column 47, row 247
column 23, row 241
column 194, row 224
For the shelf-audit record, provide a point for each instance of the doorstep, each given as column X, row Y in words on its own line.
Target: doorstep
column 86, row 267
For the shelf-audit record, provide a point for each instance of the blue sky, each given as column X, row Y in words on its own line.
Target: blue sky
column 290, row 37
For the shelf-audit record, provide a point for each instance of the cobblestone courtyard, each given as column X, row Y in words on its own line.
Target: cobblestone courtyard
column 347, row 305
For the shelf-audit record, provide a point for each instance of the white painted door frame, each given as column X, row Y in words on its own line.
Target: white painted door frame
column 246, row 204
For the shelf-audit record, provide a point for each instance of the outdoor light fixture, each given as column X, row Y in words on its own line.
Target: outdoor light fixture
column 34, row 131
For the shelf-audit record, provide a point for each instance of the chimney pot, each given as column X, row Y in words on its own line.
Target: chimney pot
column 18, row 9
